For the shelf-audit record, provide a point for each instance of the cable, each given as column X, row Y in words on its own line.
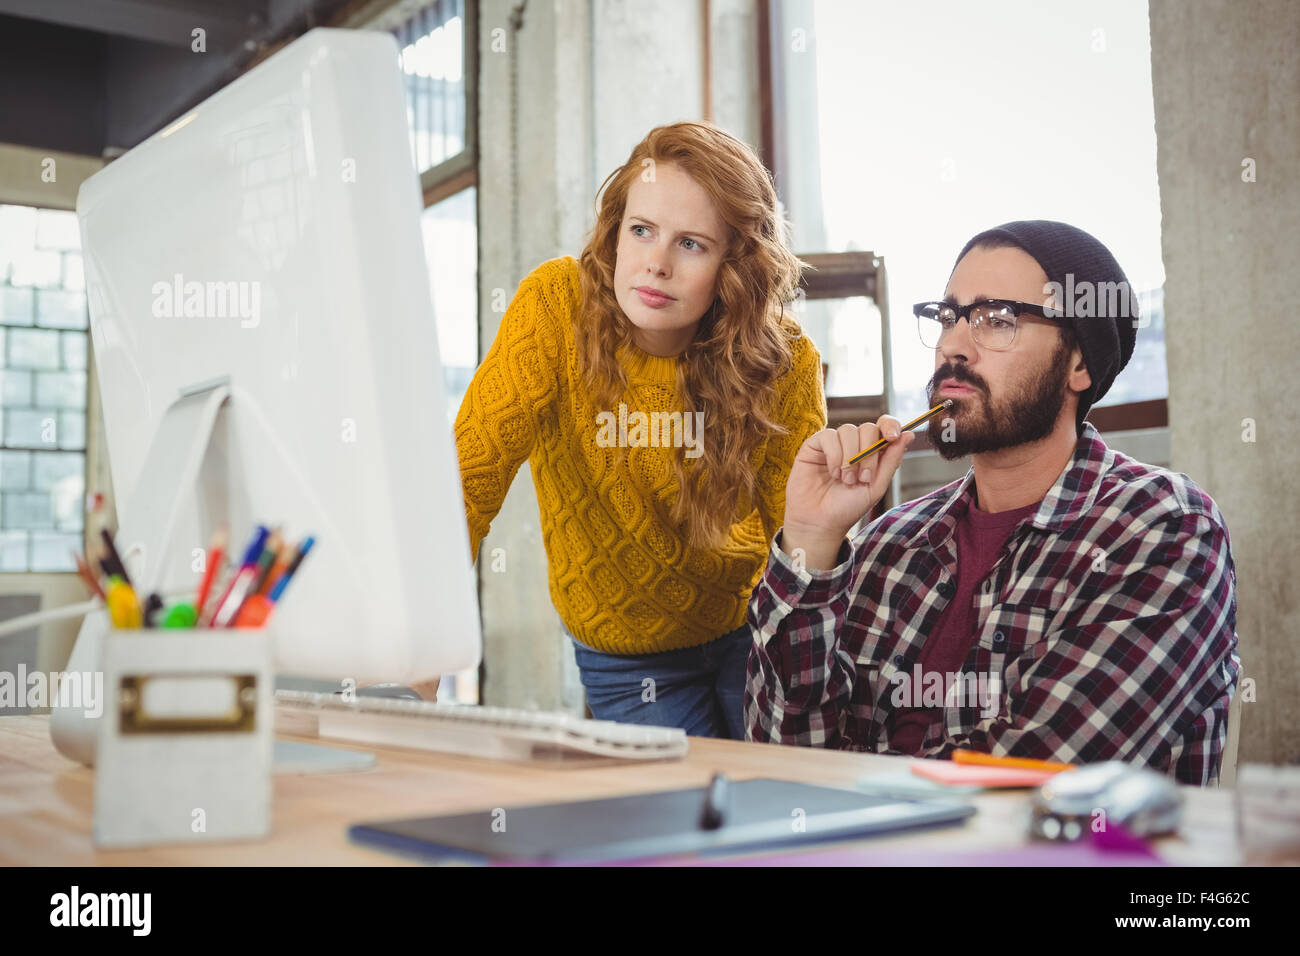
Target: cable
column 22, row 623
column 13, row 625
column 17, row 624
column 516, row 24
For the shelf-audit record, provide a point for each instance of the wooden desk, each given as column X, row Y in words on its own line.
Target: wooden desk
column 45, row 802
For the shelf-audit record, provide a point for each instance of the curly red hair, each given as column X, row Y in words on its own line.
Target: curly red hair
column 745, row 339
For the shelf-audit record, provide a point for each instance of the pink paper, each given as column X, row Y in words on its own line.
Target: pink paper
column 945, row 771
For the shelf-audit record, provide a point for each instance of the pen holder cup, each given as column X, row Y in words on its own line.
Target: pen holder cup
column 185, row 741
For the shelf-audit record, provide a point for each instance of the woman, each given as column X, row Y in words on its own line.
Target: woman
column 660, row 394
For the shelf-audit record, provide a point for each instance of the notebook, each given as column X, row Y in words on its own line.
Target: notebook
column 759, row 813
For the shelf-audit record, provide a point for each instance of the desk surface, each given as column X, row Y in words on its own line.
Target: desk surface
column 46, row 800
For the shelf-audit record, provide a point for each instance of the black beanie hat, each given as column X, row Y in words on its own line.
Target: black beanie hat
column 1080, row 264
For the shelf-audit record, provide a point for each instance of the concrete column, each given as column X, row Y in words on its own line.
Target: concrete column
column 561, row 104
column 1225, row 77
column 534, row 140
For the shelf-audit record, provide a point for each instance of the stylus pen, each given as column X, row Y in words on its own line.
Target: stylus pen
column 152, row 605
column 716, row 798
column 114, row 558
column 945, row 404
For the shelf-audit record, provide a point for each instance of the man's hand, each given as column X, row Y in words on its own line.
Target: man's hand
column 825, row 495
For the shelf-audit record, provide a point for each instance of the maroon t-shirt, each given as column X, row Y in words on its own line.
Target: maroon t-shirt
column 980, row 538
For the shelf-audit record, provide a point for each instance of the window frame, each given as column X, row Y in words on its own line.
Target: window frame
column 845, row 275
column 1151, row 413
column 460, row 171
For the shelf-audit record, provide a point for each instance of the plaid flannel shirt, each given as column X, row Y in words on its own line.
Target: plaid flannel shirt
column 1107, row 627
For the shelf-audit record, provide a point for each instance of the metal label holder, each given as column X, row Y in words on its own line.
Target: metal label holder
column 185, row 746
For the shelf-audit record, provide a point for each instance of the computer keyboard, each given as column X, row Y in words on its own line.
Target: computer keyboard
column 499, row 733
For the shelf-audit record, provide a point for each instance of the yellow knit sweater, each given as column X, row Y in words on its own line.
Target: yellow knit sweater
column 620, row 574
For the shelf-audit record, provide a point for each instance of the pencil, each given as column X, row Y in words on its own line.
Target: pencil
column 277, row 570
column 264, row 563
column 223, row 582
column 216, row 551
column 1022, row 763
column 285, row 578
column 945, row 404
column 87, row 575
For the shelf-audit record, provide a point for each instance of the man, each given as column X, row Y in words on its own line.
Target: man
column 1061, row 601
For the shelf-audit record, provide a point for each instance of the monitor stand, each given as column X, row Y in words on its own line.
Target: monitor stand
column 296, row 756
column 168, row 483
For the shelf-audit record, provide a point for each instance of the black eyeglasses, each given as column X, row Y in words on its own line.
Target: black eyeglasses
column 993, row 322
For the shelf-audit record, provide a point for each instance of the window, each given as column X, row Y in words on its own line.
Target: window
column 1145, row 377
column 451, row 247
column 439, row 60
column 843, row 294
column 906, row 129
column 432, row 62
column 43, row 360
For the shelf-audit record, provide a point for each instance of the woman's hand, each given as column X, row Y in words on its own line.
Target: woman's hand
column 825, row 495
column 429, row 689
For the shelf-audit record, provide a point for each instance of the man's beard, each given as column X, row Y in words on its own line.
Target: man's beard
column 1025, row 415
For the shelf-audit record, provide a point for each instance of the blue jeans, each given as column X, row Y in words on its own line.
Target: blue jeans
column 699, row 689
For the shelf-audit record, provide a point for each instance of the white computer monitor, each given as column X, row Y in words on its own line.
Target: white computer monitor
column 269, row 241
